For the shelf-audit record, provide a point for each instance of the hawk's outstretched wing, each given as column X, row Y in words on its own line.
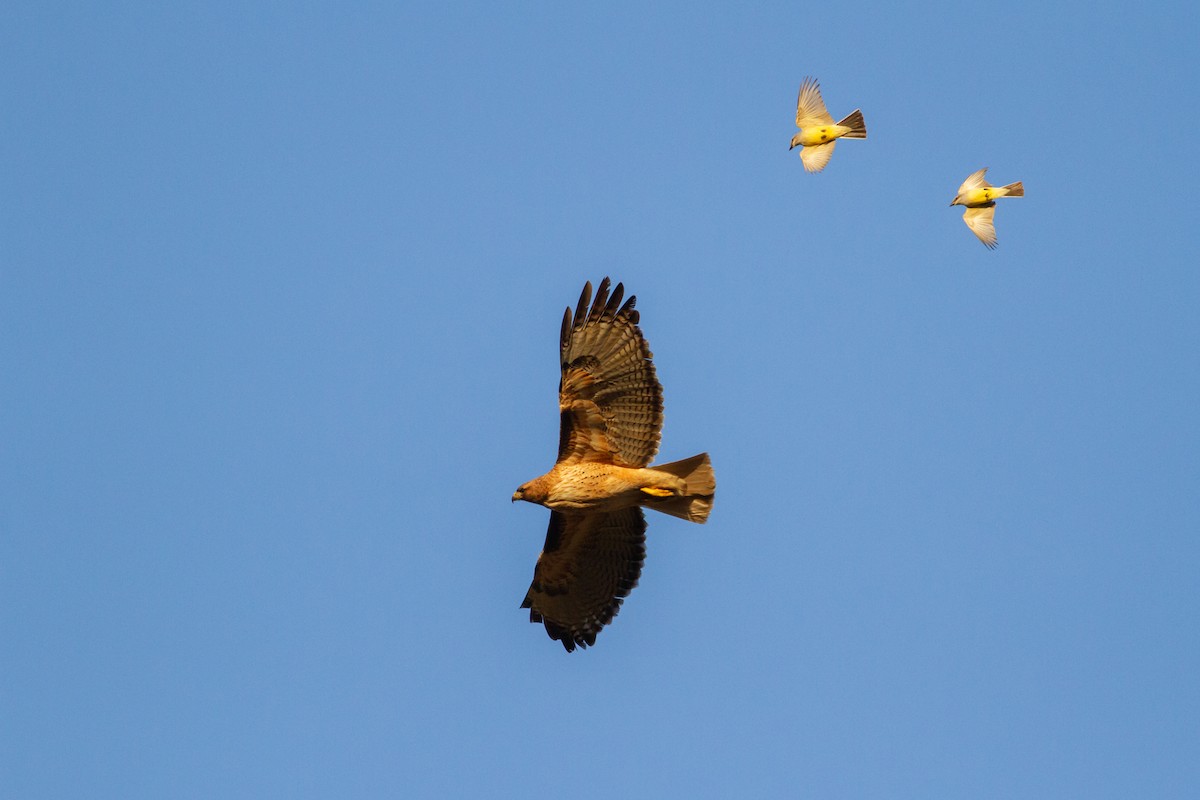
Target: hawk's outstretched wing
column 810, row 108
column 588, row 564
column 610, row 401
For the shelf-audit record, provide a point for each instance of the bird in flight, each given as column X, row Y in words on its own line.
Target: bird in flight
column 979, row 197
column 818, row 133
column 610, row 423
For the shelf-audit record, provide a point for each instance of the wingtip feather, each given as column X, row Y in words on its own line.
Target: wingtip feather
column 600, row 302
column 585, row 300
column 613, row 307
column 564, row 335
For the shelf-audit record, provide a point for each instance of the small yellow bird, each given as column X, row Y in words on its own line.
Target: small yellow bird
column 979, row 197
column 818, row 134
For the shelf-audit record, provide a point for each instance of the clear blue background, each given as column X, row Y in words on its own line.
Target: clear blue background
column 280, row 287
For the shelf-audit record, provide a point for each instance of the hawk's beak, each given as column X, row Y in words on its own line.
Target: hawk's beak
column 517, row 496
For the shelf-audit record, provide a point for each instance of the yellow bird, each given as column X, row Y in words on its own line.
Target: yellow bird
column 818, row 133
column 979, row 197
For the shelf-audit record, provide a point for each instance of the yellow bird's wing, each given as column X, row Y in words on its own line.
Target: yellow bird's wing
column 816, row 156
column 974, row 181
column 979, row 220
column 810, row 108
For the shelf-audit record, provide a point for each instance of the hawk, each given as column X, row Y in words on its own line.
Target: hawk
column 818, row 133
column 610, row 422
column 979, row 197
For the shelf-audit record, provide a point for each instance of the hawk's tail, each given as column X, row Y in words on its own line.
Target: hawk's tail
column 857, row 125
column 694, row 506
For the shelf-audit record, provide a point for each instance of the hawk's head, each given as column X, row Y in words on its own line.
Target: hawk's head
column 531, row 492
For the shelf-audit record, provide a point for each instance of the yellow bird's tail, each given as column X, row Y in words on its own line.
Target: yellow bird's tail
column 1015, row 189
column 694, row 506
column 858, row 127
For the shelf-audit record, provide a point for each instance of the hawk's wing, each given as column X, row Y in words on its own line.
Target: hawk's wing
column 810, row 108
column 609, row 399
column 588, row 564
column 979, row 220
column 816, row 156
column 974, row 181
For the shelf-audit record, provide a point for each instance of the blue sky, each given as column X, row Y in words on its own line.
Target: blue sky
column 280, row 288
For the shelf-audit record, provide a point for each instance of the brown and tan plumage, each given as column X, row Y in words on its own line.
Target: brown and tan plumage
column 610, row 424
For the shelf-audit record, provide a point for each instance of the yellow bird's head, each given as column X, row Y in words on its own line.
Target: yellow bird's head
column 796, row 140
